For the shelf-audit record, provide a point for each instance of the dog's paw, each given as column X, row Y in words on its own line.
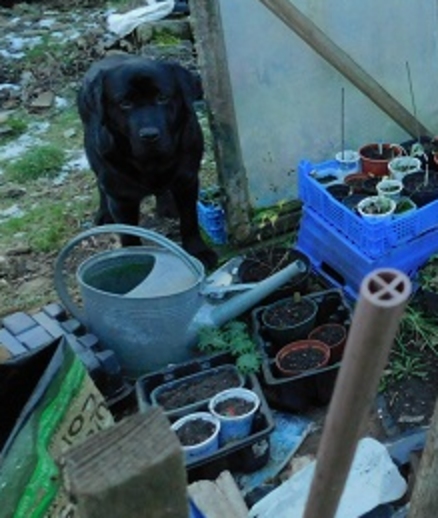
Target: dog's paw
column 103, row 218
column 206, row 255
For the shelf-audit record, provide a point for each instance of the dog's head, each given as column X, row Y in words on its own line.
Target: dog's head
column 142, row 104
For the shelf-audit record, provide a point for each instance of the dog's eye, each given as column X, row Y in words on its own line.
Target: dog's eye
column 125, row 104
column 162, row 98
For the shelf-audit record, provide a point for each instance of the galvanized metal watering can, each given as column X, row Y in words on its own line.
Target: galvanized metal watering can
column 148, row 303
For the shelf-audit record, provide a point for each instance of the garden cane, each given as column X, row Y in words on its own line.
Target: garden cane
column 382, row 299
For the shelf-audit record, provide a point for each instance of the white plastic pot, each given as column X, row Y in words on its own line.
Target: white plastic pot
column 364, row 205
column 348, row 160
column 400, row 166
column 205, row 448
column 234, row 427
column 390, row 188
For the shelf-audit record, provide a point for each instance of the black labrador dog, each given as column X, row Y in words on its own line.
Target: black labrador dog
column 142, row 137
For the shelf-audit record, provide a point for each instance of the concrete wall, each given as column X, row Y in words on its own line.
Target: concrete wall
column 287, row 99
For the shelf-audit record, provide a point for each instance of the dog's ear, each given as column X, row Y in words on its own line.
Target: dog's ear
column 190, row 84
column 93, row 106
column 91, row 97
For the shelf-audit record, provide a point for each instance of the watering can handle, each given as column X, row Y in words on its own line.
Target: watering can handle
column 60, row 284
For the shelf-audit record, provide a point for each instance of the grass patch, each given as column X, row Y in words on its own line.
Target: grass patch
column 48, row 226
column 16, row 126
column 165, row 38
column 41, row 161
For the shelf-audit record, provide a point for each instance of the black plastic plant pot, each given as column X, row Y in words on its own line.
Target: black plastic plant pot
column 288, row 319
column 339, row 191
column 264, row 262
column 420, row 192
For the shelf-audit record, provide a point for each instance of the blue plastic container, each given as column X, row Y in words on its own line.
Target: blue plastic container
column 211, row 218
column 372, row 238
column 344, row 265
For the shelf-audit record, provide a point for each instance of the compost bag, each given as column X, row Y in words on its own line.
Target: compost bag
column 48, row 402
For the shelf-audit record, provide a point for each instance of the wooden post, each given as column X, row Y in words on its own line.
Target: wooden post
column 131, row 470
column 424, row 500
column 382, row 299
column 205, row 15
column 325, row 47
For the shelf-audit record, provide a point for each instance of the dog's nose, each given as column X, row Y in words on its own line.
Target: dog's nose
column 150, row 134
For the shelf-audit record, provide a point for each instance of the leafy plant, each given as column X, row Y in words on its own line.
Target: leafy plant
column 40, row 161
column 233, row 338
column 416, row 328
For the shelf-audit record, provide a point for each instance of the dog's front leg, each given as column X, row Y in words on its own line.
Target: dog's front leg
column 185, row 194
column 126, row 212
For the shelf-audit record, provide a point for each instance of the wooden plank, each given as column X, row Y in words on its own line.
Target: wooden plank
column 133, row 469
column 424, row 500
column 220, row 498
column 206, row 21
column 339, row 59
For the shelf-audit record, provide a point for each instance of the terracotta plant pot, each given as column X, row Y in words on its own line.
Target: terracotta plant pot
column 288, row 319
column 333, row 335
column 304, row 355
column 375, row 157
column 356, row 183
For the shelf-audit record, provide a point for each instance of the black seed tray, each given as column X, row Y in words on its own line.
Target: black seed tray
column 313, row 388
column 245, row 455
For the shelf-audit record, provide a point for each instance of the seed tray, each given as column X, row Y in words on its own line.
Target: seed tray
column 373, row 239
column 312, row 388
column 247, row 454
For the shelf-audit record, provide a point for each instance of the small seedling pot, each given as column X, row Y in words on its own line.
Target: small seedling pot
column 202, row 425
column 376, row 208
column 390, row 188
column 417, row 189
column 235, row 409
column 299, row 357
column 400, row 166
column 404, row 205
column 348, row 160
column 339, row 191
column 376, row 157
column 334, row 335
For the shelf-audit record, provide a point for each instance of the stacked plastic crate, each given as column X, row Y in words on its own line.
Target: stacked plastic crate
column 344, row 247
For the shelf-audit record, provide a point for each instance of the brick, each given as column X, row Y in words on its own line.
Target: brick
column 11, row 343
column 89, row 341
column 55, row 310
column 18, row 323
column 72, row 326
column 49, row 324
column 35, row 337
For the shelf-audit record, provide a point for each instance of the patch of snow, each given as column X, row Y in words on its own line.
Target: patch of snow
column 46, row 23
column 60, row 102
column 12, row 212
column 9, row 86
column 8, row 55
column 24, row 142
column 16, row 43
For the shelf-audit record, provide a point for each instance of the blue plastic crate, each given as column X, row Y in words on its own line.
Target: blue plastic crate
column 372, row 238
column 211, row 218
column 344, row 265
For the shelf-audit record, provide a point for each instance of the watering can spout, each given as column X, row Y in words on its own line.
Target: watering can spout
column 217, row 315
